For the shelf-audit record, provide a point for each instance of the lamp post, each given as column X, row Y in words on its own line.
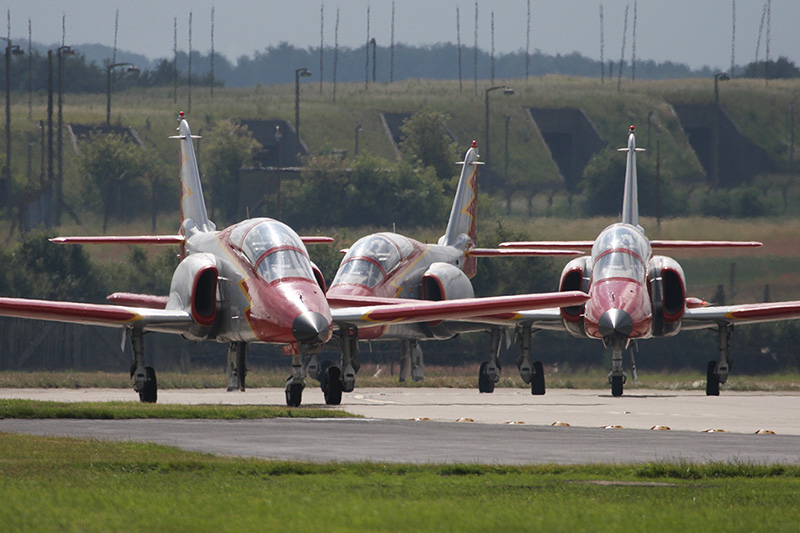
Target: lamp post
column 278, row 138
column 11, row 49
column 298, row 73
column 506, row 91
column 358, row 130
column 719, row 76
column 61, row 51
column 109, row 68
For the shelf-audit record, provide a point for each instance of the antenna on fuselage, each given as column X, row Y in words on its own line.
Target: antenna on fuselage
column 630, row 198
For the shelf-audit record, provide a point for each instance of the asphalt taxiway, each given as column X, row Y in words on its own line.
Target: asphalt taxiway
column 510, row 426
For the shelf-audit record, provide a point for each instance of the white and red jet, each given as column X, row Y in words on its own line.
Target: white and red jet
column 383, row 269
column 634, row 294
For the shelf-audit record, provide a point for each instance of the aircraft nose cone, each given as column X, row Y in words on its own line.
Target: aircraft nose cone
column 615, row 323
column 310, row 327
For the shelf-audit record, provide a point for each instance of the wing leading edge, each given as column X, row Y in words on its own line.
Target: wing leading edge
column 467, row 309
column 166, row 321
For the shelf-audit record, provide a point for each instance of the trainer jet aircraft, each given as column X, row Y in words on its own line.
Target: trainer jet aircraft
column 384, row 268
column 250, row 282
column 634, row 294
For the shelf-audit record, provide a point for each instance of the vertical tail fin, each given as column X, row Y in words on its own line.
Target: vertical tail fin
column 630, row 198
column 193, row 206
column 462, row 228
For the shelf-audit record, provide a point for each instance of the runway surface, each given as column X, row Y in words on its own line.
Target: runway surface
column 422, row 425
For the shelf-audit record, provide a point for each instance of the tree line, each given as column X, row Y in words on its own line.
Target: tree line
column 277, row 64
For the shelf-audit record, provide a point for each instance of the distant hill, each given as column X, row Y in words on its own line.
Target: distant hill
column 276, row 64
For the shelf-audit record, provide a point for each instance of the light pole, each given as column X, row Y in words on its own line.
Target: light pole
column 358, row 129
column 11, row 49
column 278, row 138
column 506, row 91
column 109, row 68
column 60, row 52
column 719, row 76
column 305, row 73
column 374, row 57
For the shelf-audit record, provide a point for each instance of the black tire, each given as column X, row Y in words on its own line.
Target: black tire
column 485, row 384
column 616, row 385
column 321, row 377
column 537, row 379
column 332, row 385
column 149, row 394
column 294, row 395
column 712, row 381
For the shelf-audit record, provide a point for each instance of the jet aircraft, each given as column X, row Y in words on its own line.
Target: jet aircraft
column 250, row 282
column 635, row 295
column 384, row 268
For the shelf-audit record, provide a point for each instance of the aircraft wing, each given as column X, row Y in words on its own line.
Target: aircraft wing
column 122, row 239
column 500, row 308
column 676, row 245
column 155, row 239
column 550, row 245
column 656, row 245
column 712, row 316
column 166, row 321
column 514, row 252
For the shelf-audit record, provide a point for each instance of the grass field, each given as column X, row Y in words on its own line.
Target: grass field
column 465, row 376
column 60, row 484
column 131, row 410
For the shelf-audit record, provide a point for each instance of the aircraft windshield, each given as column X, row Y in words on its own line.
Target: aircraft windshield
column 266, row 235
column 620, row 251
column 360, row 272
column 618, row 265
column 284, row 264
column 371, row 258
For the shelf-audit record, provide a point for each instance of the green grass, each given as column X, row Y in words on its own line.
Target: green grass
column 49, row 483
column 130, row 410
column 464, row 376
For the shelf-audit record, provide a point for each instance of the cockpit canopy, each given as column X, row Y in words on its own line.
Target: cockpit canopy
column 371, row 258
column 621, row 251
column 273, row 248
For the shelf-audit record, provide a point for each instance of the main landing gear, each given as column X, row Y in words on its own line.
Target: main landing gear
column 411, row 361
column 334, row 380
column 144, row 377
column 489, row 373
column 531, row 372
column 717, row 371
column 237, row 365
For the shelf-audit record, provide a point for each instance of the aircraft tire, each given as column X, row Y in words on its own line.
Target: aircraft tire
column 712, row 381
column 484, row 383
column 294, row 395
column 537, row 379
column 323, row 368
column 616, row 385
column 150, row 392
column 332, row 385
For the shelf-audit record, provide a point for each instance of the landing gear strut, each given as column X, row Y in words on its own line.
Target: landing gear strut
column 350, row 364
column 530, row 372
column 717, row 371
column 617, row 377
column 411, row 361
column 144, row 377
column 489, row 373
column 237, row 365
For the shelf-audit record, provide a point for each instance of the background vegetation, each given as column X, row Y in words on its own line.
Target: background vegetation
column 350, row 197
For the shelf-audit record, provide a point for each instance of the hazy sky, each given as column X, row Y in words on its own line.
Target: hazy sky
column 696, row 32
